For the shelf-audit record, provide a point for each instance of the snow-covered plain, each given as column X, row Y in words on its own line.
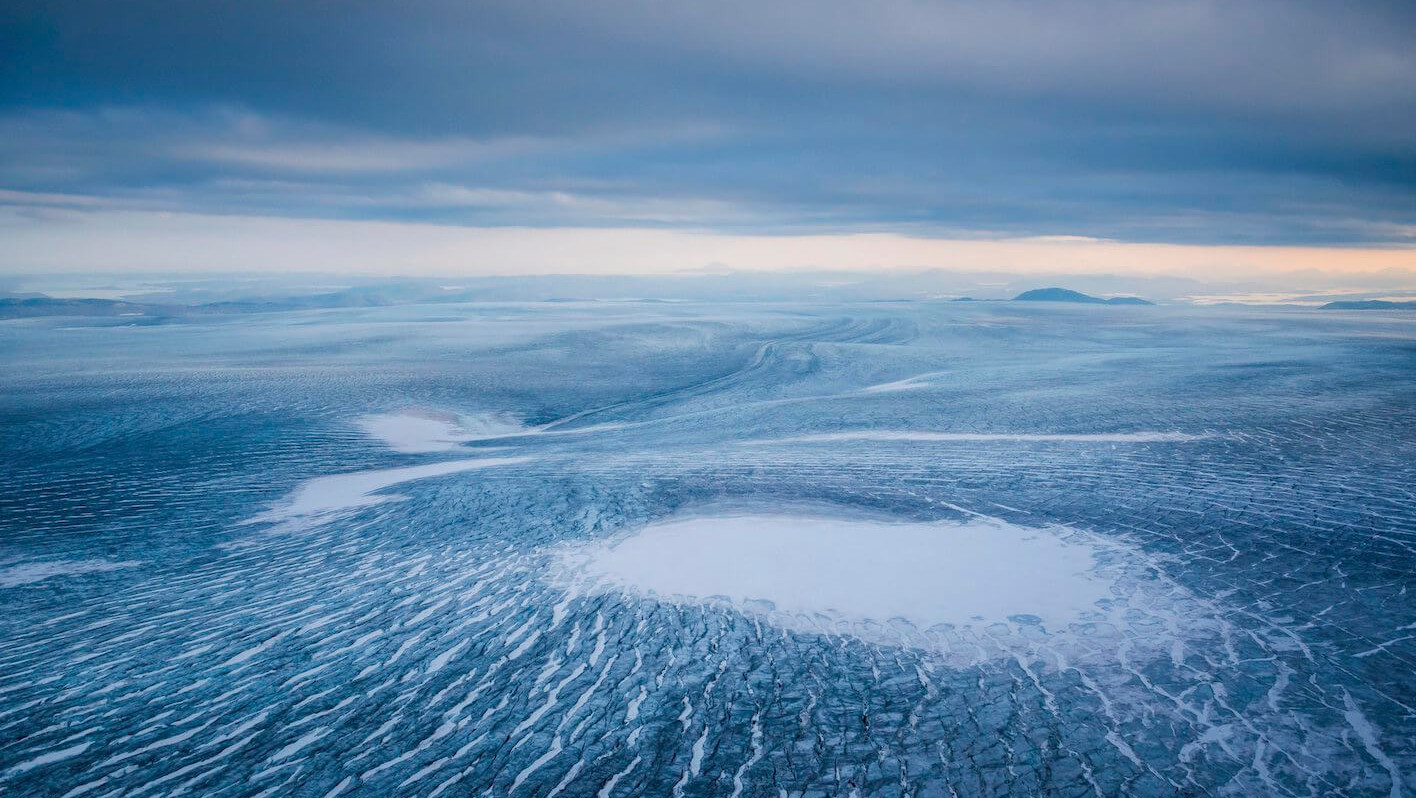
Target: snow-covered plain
column 651, row 549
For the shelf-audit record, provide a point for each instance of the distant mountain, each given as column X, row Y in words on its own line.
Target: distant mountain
column 159, row 307
column 1368, row 304
column 1067, row 295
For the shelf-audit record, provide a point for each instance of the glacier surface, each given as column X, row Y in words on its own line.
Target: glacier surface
column 687, row 549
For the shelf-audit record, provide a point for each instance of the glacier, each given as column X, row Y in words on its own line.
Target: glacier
column 710, row 549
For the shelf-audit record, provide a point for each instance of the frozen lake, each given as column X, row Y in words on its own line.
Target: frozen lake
column 679, row 549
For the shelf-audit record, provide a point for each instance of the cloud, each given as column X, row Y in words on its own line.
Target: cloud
column 1172, row 121
column 225, row 137
column 475, row 67
column 220, row 159
column 1248, row 56
column 345, row 157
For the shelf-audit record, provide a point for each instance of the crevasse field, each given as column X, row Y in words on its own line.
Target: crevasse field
column 671, row 549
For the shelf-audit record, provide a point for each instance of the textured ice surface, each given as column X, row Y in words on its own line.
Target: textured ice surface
column 982, row 437
column 1238, row 483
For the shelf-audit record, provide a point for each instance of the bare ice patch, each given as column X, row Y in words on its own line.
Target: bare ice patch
column 418, row 431
column 927, row 574
column 29, row 572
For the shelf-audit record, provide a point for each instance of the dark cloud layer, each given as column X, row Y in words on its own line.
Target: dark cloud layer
column 1193, row 121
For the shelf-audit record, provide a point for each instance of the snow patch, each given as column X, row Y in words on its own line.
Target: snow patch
column 323, row 497
column 30, row 572
column 981, row 571
column 915, row 383
column 419, row 431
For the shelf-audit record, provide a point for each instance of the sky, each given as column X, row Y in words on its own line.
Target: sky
column 1198, row 138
